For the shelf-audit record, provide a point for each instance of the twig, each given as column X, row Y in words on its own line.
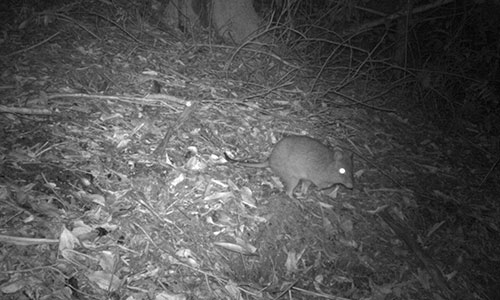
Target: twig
column 489, row 172
column 160, row 150
column 151, row 100
column 252, row 41
column 321, row 295
column 141, row 199
column 130, row 99
column 24, row 241
column 397, row 15
column 404, row 233
column 34, row 46
column 25, row 111
column 361, row 103
column 117, row 25
column 67, row 18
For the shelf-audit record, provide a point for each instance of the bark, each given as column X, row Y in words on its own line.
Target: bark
column 233, row 20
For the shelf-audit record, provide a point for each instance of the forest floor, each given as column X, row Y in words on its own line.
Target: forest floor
column 93, row 205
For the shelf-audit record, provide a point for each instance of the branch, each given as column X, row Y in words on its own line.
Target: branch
column 396, row 15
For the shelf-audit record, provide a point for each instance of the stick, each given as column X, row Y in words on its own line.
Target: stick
column 397, row 15
column 160, row 150
column 404, row 233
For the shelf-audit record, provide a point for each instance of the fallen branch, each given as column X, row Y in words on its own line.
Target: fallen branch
column 397, row 15
column 404, row 233
column 24, row 110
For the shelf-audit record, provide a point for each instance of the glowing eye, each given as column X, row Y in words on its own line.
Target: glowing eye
column 342, row 171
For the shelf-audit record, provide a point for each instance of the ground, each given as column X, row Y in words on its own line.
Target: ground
column 89, row 209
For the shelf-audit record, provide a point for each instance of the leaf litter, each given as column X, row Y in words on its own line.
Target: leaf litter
column 88, row 208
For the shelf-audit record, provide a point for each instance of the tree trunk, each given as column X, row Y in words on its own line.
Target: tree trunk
column 233, row 20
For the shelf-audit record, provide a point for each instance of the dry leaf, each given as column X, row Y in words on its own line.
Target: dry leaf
column 105, row 281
